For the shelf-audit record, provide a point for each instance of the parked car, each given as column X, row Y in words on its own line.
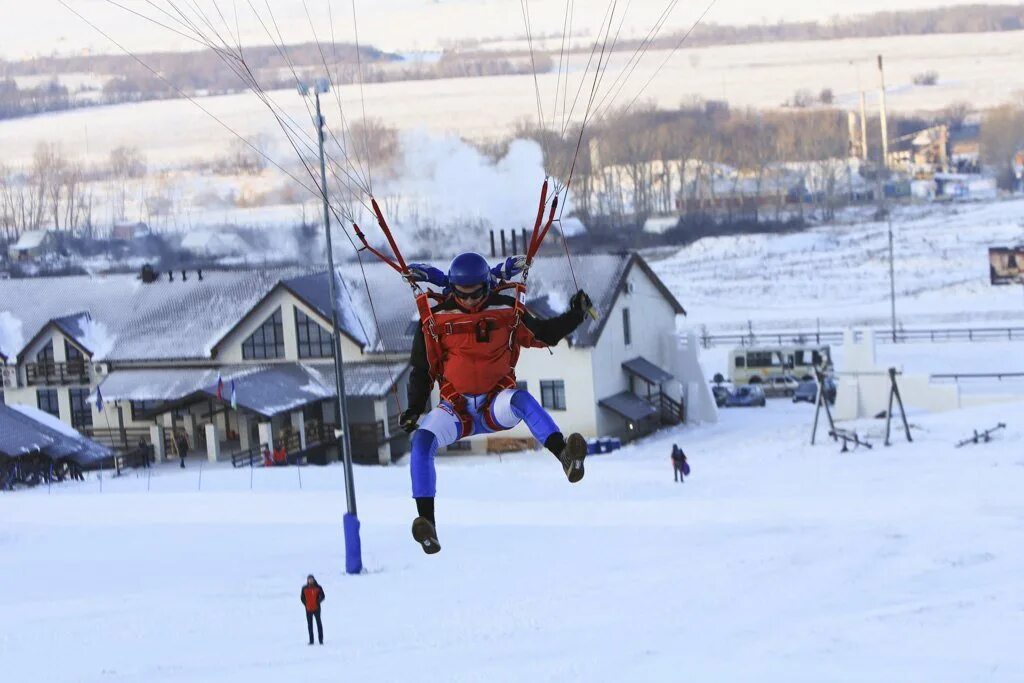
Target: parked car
column 779, row 385
column 749, row 395
column 808, row 391
column 720, row 393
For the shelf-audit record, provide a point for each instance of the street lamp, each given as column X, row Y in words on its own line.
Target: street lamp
column 353, row 551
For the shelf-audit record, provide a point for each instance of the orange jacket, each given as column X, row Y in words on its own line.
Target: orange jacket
column 312, row 596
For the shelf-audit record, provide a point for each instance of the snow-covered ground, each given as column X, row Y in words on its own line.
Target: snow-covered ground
column 982, row 69
column 776, row 561
column 838, row 274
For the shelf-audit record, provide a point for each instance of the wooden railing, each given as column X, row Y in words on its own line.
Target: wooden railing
column 63, row 373
column 124, row 440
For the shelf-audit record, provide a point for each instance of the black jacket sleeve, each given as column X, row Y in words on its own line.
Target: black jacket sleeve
column 419, row 378
column 322, row 595
column 553, row 330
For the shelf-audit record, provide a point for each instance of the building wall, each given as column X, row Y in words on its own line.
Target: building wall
column 652, row 318
column 230, row 348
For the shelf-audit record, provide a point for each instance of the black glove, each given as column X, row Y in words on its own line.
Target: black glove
column 580, row 303
column 409, row 420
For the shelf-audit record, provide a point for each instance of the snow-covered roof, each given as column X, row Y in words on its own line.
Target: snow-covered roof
column 25, row 430
column 269, row 389
column 30, row 239
column 214, row 243
column 118, row 318
column 135, row 321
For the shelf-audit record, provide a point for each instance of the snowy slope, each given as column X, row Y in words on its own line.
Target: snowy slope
column 776, row 561
column 840, row 273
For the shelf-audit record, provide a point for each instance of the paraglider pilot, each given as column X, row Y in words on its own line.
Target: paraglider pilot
column 470, row 346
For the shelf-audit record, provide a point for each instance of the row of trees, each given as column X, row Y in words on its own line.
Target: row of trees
column 700, row 159
column 59, row 193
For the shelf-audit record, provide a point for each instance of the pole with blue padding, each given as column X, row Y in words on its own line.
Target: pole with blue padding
column 353, row 549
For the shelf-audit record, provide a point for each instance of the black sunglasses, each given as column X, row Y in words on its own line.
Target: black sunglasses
column 477, row 293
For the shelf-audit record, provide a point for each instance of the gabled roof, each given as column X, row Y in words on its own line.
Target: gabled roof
column 179, row 320
column 634, row 260
column 71, row 326
column 629, row 406
column 186, row 320
column 30, row 240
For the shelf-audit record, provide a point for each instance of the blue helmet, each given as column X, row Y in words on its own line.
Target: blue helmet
column 469, row 270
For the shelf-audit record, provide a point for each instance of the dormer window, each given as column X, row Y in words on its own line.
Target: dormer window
column 267, row 341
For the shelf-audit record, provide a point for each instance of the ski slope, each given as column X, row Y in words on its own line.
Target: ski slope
column 838, row 273
column 776, row 561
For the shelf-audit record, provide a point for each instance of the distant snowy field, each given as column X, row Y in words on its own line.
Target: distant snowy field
column 839, row 273
column 983, row 69
column 776, row 561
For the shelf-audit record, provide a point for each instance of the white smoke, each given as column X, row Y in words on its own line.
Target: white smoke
column 448, row 196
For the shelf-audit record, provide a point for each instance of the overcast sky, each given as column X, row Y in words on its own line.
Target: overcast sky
column 40, row 27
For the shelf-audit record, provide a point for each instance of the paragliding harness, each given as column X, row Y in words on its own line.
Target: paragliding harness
column 434, row 330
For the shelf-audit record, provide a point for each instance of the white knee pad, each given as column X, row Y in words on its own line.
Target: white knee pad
column 501, row 409
column 443, row 424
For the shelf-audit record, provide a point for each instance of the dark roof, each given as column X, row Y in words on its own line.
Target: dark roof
column 646, row 370
column 629, row 406
column 314, row 291
column 274, row 389
column 21, row 435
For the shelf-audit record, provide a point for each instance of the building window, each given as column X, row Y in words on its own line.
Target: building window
column 71, row 352
column 314, row 340
column 81, row 411
column 46, row 399
column 552, row 394
column 522, row 385
column 267, row 341
column 45, row 356
column 627, row 333
column 140, row 408
column 741, row 361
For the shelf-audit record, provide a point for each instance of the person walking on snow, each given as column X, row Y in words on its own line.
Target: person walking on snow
column 469, row 346
column 680, row 468
column 312, row 596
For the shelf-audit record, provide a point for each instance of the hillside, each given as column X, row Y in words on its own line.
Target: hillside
column 775, row 561
column 839, row 274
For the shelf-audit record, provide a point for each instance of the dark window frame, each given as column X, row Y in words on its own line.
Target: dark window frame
column 138, row 407
column 552, row 394
column 313, row 340
column 72, row 353
column 267, row 340
column 627, row 331
column 52, row 401
column 45, row 355
column 81, row 410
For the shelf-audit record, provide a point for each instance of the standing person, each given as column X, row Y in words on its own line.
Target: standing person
column 143, row 449
column 181, row 443
column 680, row 468
column 469, row 345
column 311, row 596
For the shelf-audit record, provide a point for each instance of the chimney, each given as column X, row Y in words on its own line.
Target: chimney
column 170, row 276
column 184, row 275
column 493, row 252
column 200, row 272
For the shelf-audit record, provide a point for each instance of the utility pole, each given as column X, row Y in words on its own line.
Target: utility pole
column 885, row 122
column 353, row 549
column 863, row 127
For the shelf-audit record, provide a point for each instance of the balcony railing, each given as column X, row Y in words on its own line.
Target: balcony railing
column 63, row 373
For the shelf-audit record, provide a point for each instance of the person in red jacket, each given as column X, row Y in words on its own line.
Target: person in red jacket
column 312, row 596
column 469, row 345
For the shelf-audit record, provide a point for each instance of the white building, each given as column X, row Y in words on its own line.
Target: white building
column 156, row 350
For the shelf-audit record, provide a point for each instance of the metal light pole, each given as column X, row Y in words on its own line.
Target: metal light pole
column 353, row 550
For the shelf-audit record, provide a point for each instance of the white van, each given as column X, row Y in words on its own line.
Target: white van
column 755, row 364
